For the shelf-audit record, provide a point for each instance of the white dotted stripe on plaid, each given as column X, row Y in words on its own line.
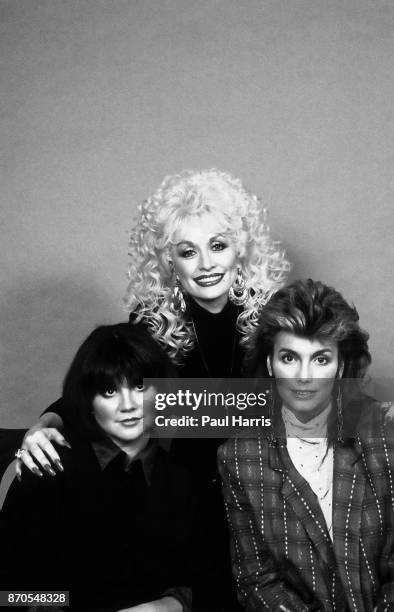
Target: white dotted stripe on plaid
column 368, row 566
column 373, row 491
column 259, row 595
column 256, row 550
column 233, row 492
column 310, row 511
column 261, row 486
column 236, row 461
column 285, row 525
column 347, row 543
column 313, row 567
column 334, row 579
column 388, row 466
column 236, row 546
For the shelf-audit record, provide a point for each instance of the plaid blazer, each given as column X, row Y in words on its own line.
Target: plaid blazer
column 282, row 555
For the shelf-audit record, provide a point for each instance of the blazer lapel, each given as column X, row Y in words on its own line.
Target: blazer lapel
column 348, row 495
column 300, row 497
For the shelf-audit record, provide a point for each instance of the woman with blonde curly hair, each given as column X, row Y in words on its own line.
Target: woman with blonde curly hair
column 202, row 264
column 213, row 212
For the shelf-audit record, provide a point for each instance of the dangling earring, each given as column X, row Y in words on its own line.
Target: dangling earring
column 238, row 293
column 339, row 413
column 178, row 304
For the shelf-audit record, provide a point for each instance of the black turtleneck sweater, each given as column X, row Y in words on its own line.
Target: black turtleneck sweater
column 217, row 352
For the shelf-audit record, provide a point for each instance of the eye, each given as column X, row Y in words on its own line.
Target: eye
column 109, row 392
column 187, row 253
column 218, row 245
column 287, row 358
column 322, row 360
column 140, row 387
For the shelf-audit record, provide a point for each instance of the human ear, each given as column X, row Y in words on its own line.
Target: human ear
column 269, row 365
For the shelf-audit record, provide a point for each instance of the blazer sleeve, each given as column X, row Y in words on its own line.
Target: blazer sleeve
column 385, row 599
column 260, row 584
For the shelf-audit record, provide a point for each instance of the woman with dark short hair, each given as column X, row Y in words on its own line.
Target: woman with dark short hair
column 114, row 527
column 311, row 501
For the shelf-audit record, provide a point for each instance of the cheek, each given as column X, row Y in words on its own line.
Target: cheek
column 283, row 385
column 183, row 267
column 100, row 416
column 279, row 370
column 229, row 258
column 102, row 413
column 327, row 372
column 326, row 387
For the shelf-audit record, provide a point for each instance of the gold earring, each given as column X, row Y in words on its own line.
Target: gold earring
column 178, row 304
column 238, row 292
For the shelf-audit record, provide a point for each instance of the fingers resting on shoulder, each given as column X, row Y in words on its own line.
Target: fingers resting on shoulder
column 38, row 453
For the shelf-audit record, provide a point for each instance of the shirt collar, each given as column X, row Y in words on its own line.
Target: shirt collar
column 314, row 428
column 106, row 450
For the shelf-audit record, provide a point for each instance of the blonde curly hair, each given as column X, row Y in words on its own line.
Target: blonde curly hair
column 180, row 196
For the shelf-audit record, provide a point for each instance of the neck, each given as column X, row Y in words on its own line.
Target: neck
column 213, row 306
column 305, row 417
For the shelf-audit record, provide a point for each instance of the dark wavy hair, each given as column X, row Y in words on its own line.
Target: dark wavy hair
column 110, row 355
column 309, row 309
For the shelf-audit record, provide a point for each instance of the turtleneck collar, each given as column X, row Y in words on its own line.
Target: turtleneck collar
column 198, row 313
column 315, row 428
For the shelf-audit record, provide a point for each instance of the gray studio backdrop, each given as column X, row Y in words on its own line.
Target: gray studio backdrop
column 100, row 99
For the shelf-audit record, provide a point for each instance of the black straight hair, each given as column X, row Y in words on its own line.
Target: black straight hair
column 109, row 357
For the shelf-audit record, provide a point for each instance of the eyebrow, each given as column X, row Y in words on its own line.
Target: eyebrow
column 315, row 354
column 189, row 242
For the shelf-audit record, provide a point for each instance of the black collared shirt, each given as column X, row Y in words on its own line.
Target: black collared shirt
column 118, row 530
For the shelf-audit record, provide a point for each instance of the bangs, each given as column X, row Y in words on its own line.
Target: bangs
column 180, row 223
column 115, row 363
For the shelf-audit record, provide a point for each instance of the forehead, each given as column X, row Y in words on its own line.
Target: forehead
column 303, row 346
column 199, row 228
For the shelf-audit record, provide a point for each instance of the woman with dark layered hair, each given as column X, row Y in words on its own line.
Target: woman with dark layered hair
column 311, row 502
column 114, row 527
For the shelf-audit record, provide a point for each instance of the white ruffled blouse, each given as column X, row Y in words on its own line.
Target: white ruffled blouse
column 312, row 457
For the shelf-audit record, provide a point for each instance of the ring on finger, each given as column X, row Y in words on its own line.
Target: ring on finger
column 19, row 452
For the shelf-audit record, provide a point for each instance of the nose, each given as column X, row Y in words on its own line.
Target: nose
column 205, row 260
column 304, row 372
column 128, row 399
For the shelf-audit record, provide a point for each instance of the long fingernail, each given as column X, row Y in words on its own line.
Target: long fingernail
column 19, row 477
column 65, row 443
column 37, row 472
column 59, row 466
column 49, row 470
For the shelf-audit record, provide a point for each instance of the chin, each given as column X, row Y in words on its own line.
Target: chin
column 211, row 293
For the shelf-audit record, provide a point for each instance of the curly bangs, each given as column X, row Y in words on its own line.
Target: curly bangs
column 310, row 309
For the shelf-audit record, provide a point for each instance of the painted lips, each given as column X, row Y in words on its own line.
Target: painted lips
column 208, row 280
column 303, row 395
column 130, row 422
